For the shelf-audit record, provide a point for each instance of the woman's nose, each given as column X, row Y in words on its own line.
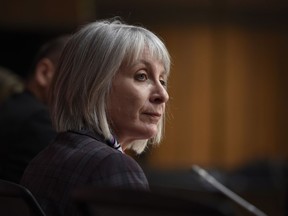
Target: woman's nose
column 159, row 94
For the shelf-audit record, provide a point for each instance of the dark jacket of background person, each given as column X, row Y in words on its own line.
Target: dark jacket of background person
column 25, row 125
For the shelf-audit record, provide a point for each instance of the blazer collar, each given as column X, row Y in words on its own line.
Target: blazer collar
column 90, row 133
column 112, row 143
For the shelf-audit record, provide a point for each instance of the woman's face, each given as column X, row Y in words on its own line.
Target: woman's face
column 137, row 100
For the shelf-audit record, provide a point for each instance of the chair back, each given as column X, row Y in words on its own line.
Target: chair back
column 17, row 200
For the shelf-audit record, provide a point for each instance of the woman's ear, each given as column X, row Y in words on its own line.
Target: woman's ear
column 44, row 72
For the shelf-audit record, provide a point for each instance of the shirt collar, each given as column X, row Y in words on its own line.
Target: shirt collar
column 114, row 144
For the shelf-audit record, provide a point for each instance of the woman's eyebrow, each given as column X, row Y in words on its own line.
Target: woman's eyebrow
column 149, row 64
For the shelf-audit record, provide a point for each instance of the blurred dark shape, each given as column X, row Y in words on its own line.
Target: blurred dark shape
column 262, row 183
column 10, row 83
column 16, row 200
column 94, row 201
column 19, row 46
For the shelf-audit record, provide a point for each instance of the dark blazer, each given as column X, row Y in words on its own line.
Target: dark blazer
column 78, row 159
column 25, row 129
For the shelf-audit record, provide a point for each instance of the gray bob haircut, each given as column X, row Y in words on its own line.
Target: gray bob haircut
column 88, row 64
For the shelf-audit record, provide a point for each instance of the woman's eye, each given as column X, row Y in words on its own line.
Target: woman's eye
column 163, row 83
column 141, row 77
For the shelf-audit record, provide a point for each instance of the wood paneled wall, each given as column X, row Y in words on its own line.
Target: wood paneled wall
column 229, row 92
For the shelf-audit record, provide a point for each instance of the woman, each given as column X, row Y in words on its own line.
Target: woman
column 108, row 95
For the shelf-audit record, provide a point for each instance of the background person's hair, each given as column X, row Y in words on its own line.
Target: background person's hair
column 87, row 67
column 51, row 49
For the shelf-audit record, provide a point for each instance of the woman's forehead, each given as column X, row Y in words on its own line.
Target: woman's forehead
column 146, row 57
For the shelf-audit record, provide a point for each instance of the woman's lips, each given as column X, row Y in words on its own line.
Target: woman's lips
column 155, row 117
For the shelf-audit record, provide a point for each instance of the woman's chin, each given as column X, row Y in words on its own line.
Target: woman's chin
column 151, row 133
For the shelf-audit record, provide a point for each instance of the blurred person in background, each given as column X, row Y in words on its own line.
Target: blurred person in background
column 25, row 124
column 108, row 95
